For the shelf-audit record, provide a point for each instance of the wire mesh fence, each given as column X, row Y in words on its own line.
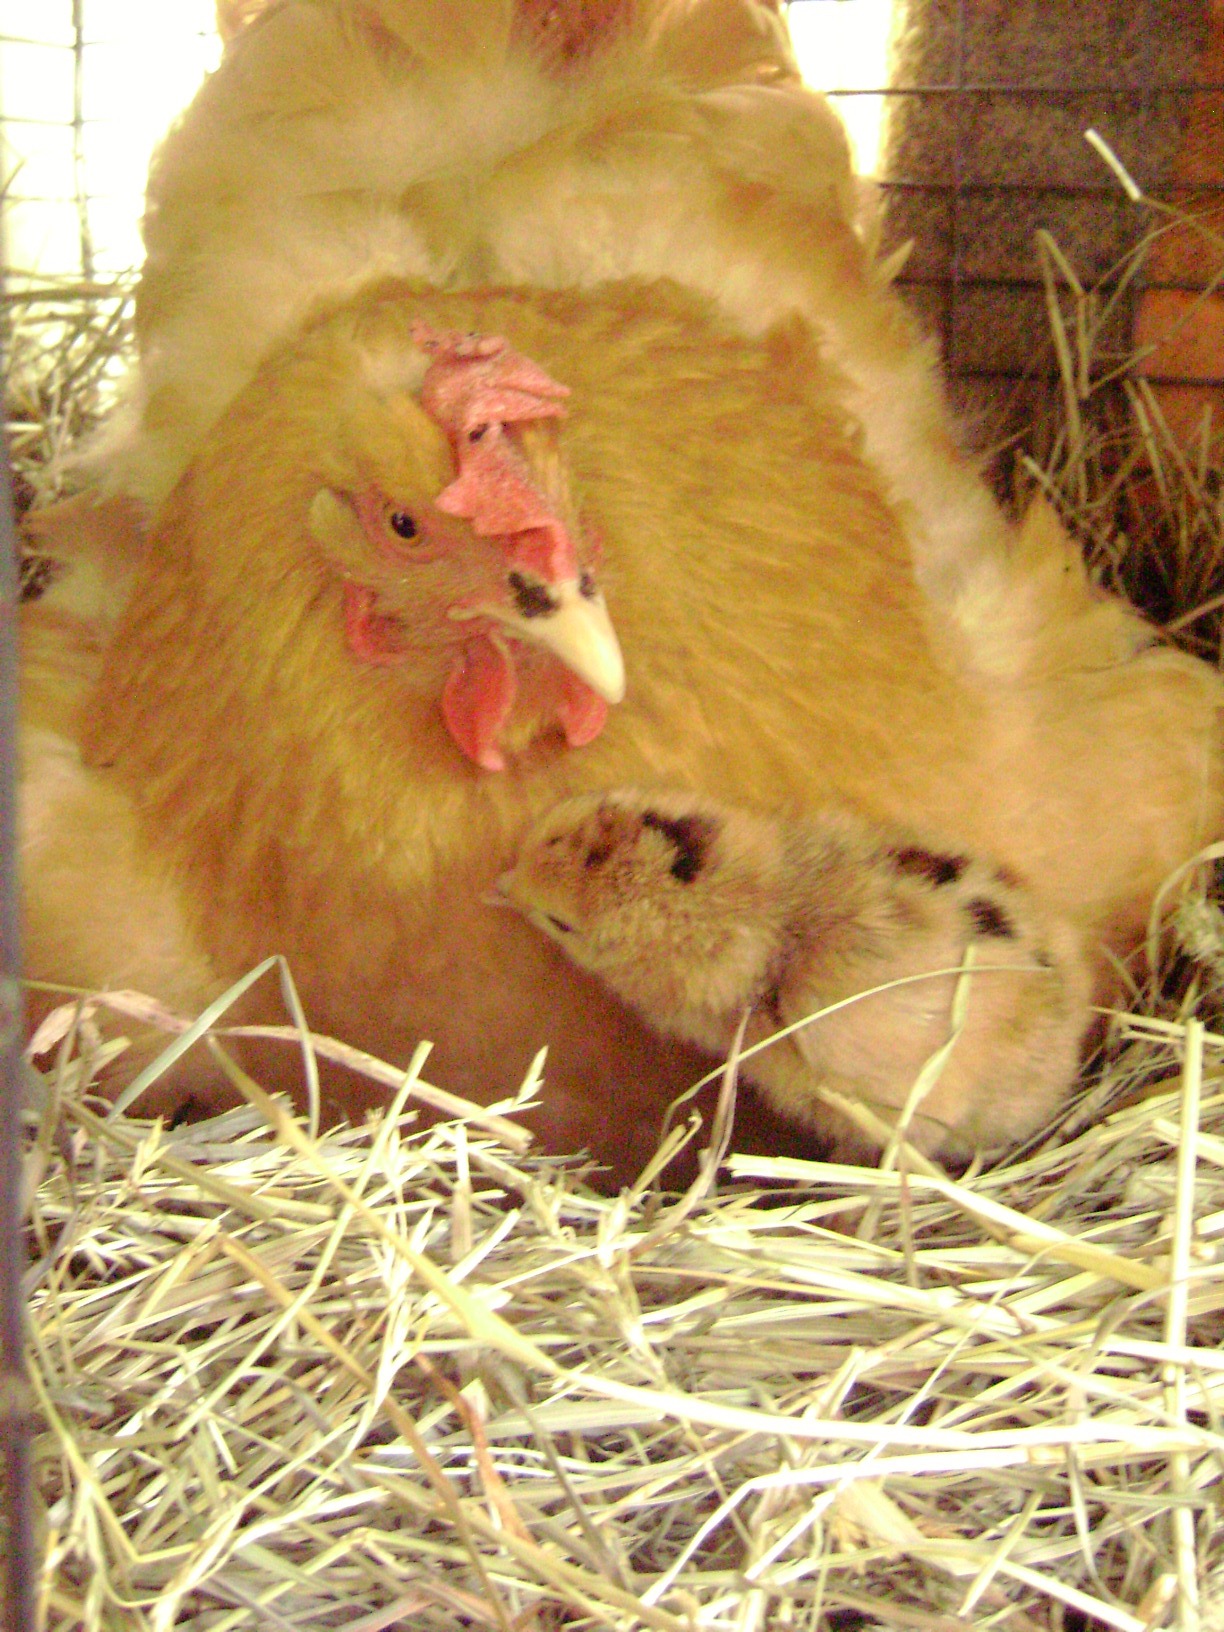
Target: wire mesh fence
column 973, row 116
column 86, row 88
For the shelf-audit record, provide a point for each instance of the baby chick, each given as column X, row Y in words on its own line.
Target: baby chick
column 692, row 911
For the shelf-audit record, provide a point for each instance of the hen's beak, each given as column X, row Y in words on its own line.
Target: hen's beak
column 569, row 619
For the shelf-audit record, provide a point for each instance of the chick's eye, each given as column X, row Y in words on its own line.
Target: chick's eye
column 560, row 925
column 402, row 524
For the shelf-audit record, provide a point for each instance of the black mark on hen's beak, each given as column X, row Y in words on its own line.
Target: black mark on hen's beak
column 532, row 599
column 567, row 618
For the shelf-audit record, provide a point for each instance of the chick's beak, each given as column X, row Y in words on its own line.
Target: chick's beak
column 569, row 619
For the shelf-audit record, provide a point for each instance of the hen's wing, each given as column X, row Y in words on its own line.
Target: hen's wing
column 100, row 910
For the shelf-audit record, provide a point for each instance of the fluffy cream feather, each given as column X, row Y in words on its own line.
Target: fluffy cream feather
column 340, row 140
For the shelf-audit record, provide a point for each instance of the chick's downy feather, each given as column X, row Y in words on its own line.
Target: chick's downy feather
column 887, row 979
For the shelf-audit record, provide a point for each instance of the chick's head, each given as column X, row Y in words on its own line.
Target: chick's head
column 671, row 900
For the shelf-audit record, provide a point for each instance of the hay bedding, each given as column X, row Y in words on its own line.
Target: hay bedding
column 64, row 343
column 406, row 1375
column 410, row 1375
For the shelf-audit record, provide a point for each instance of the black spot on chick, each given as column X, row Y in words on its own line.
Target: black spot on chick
column 598, row 839
column 533, row 600
column 990, row 920
column 691, row 836
column 929, row 864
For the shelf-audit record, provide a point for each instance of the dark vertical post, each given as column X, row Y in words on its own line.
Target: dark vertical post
column 16, row 1417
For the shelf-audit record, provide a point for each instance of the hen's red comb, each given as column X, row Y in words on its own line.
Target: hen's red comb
column 474, row 387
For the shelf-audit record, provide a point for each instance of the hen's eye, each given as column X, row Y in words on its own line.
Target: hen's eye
column 402, row 524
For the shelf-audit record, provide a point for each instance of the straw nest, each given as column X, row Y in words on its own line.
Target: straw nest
column 406, row 1375
column 412, row 1374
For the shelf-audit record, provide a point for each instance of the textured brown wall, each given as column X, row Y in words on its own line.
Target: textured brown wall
column 987, row 146
column 1185, row 321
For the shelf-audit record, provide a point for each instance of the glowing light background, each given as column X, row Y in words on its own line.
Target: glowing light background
column 141, row 62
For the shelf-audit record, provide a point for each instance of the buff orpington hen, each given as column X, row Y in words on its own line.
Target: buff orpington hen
column 517, row 414
column 345, row 682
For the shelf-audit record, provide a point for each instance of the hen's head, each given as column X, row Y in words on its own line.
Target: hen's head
column 434, row 496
